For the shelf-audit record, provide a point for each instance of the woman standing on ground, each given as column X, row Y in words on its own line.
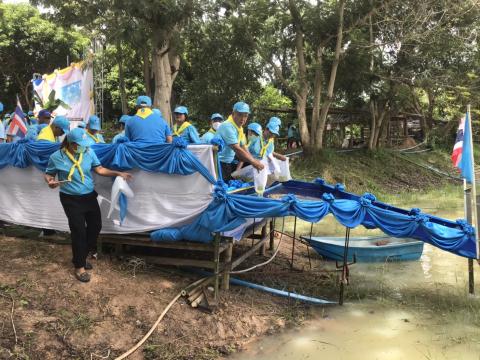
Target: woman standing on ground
column 73, row 164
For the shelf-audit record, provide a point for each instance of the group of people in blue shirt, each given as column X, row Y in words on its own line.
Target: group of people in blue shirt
column 70, row 168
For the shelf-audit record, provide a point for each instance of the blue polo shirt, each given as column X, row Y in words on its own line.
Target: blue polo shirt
column 118, row 136
column 256, row 147
column 207, row 137
column 34, row 130
column 229, row 134
column 92, row 142
column 190, row 134
column 147, row 126
column 59, row 164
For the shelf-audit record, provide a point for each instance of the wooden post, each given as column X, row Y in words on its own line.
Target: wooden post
column 227, row 260
column 264, row 235
column 272, row 234
column 216, row 260
column 468, row 214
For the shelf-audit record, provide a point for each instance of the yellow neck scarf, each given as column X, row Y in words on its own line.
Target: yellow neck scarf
column 241, row 134
column 93, row 137
column 76, row 164
column 179, row 132
column 212, row 131
column 144, row 112
column 264, row 146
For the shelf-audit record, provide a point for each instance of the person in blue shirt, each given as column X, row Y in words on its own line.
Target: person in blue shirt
column 183, row 127
column 73, row 164
column 93, row 131
column 216, row 120
column 122, row 121
column 264, row 145
column 231, row 132
column 146, row 125
column 254, row 134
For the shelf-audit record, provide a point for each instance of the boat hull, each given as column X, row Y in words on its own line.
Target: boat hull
column 367, row 249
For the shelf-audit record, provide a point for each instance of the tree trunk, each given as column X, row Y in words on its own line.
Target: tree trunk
column 147, row 75
column 431, row 105
column 381, row 126
column 317, row 91
column 302, row 122
column 331, row 83
column 121, row 78
column 164, row 78
column 373, row 124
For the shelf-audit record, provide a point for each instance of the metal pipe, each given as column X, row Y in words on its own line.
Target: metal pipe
column 283, row 293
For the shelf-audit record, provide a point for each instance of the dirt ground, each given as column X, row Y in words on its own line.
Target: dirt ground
column 57, row 317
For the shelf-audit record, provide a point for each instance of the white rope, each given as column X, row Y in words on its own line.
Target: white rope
column 266, row 262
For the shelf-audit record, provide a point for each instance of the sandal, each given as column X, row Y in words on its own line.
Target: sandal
column 88, row 266
column 83, row 277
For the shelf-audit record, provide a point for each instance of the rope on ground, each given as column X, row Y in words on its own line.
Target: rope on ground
column 154, row 326
column 411, row 148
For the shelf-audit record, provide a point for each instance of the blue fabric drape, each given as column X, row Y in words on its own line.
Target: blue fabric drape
column 166, row 158
column 228, row 211
column 24, row 153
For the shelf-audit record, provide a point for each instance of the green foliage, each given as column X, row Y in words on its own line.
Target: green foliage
column 31, row 44
column 273, row 99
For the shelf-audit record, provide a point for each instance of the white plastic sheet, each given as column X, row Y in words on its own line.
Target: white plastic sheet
column 160, row 201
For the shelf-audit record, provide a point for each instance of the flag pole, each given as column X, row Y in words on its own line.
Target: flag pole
column 470, row 197
column 474, row 187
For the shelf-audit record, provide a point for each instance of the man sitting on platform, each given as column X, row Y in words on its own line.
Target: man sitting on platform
column 231, row 131
column 146, row 125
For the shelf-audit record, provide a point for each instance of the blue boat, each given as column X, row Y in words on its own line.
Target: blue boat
column 368, row 248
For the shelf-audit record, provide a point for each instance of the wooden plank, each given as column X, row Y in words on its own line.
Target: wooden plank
column 272, row 235
column 180, row 245
column 227, row 261
column 216, row 262
column 178, row 261
column 263, row 236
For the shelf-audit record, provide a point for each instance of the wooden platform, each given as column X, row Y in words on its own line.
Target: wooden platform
column 219, row 251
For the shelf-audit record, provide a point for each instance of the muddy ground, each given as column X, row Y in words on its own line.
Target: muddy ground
column 57, row 317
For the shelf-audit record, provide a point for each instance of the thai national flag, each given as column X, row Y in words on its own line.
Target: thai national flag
column 17, row 125
column 462, row 150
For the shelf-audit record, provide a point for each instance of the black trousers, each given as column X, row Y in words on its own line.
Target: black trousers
column 85, row 222
column 227, row 170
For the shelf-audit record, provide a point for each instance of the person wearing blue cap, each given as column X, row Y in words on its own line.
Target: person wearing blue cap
column 264, row 145
column 231, row 132
column 216, row 120
column 73, row 164
column 93, row 131
column 146, row 125
column 122, row 121
column 44, row 117
column 59, row 127
column 183, row 128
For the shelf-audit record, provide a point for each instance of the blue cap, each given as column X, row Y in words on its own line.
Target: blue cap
column 257, row 128
column 216, row 116
column 30, row 113
column 7, row 116
column 63, row 123
column 144, row 100
column 94, row 123
column 241, row 107
column 274, row 128
column 157, row 111
column 82, row 125
column 78, row 136
column 1, row 107
column 123, row 119
column 275, row 120
column 44, row 113
column 181, row 110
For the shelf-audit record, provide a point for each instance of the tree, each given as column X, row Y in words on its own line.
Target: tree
column 31, row 44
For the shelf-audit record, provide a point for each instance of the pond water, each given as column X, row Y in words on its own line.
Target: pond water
column 409, row 310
